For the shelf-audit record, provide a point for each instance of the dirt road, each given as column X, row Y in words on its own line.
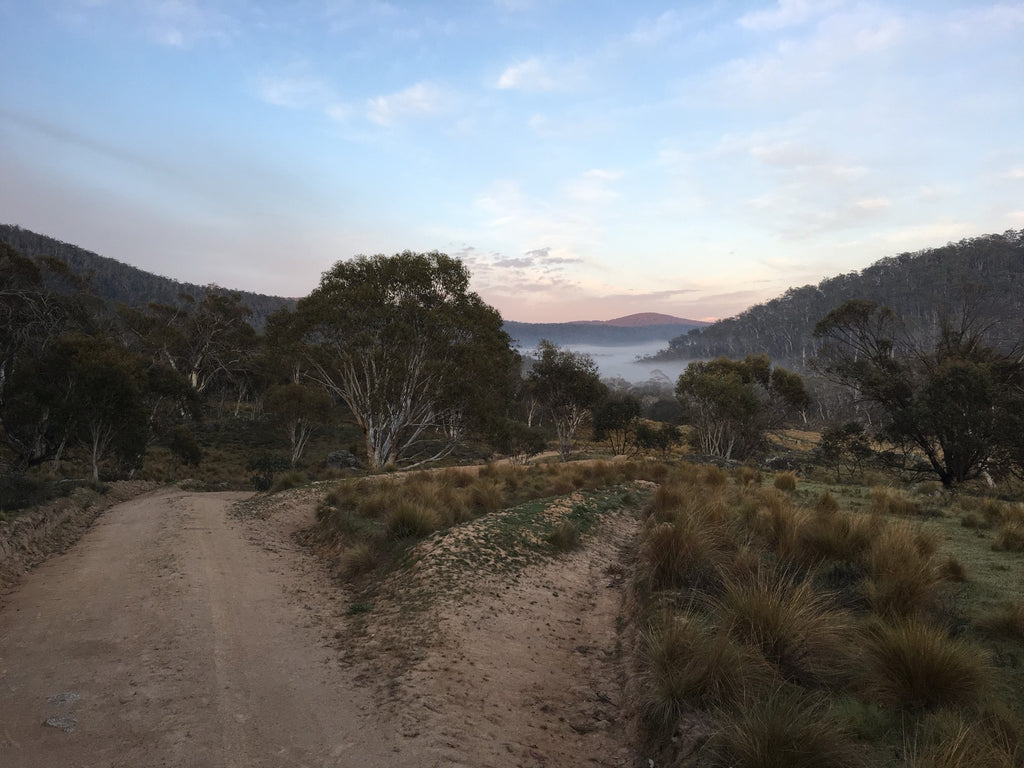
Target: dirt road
column 167, row 638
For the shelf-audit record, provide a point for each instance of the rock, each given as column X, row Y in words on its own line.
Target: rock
column 342, row 460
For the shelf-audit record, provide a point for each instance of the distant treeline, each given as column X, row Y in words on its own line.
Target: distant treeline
column 119, row 283
column 983, row 274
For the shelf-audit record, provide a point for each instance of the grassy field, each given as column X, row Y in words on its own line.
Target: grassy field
column 778, row 620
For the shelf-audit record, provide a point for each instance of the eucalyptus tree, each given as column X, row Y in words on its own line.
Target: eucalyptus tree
column 956, row 402
column 569, row 387
column 418, row 358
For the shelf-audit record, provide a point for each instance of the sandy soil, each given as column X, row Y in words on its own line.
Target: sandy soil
column 179, row 634
column 166, row 638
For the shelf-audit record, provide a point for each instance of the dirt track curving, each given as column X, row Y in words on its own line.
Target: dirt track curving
column 177, row 634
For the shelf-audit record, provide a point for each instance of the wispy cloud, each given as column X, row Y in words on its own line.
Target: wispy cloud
column 539, row 75
column 419, row 100
column 294, row 92
column 655, row 31
column 788, row 13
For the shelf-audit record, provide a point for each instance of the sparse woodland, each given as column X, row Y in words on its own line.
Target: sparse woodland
column 848, row 595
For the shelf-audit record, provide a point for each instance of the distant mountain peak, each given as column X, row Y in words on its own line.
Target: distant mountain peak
column 649, row 318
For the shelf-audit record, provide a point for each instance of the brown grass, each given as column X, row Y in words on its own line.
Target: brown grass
column 785, row 481
column 902, row 580
column 1007, row 621
column 784, row 730
column 889, row 501
column 911, row 664
column 795, row 627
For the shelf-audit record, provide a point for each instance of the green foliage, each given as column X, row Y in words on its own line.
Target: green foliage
column 844, row 449
column 661, row 438
column 265, row 466
column 616, row 420
column 409, row 349
column 518, row 441
column 957, row 403
column 300, row 409
column 567, row 384
column 732, row 404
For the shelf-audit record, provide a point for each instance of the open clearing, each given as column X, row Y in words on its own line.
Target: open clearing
column 177, row 634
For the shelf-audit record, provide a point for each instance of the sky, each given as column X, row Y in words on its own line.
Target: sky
column 586, row 160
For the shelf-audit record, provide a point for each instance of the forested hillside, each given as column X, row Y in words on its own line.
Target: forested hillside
column 119, row 283
column 527, row 335
column 984, row 273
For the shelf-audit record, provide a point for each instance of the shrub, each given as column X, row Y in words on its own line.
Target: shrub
column 785, row 730
column 785, row 481
column 713, row 476
column 911, row 664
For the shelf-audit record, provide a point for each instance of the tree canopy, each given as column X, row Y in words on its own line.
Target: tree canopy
column 568, row 386
column 416, row 356
column 731, row 404
column 954, row 402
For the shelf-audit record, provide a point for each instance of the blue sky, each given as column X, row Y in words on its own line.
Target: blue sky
column 585, row 159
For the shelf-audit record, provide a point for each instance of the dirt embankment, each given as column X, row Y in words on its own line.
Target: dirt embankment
column 30, row 538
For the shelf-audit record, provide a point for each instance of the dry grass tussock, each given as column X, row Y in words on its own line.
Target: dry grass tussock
column 890, row 501
column 821, row 612
column 951, row 739
column 794, row 626
column 903, row 579
column 787, row 730
column 912, row 664
column 785, row 481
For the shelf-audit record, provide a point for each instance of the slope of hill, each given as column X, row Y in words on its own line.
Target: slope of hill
column 527, row 335
column 652, row 318
column 984, row 273
column 119, row 283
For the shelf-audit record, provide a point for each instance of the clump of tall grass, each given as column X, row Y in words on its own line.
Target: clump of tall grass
column 565, row 536
column 362, row 557
column 748, row 476
column 785, row 729
column 685, row 552
column 785, row 481
column 408, row 518
column 685, row 662
column 826, row 503
column 1007, row 621
column 912, row 664
column 1010, row 537
column 902, row 580
column 952, row 739
column 890, row 501
column 794, row 626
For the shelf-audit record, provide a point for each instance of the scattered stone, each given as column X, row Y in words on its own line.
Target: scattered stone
column 66, row 724
column 342, row 460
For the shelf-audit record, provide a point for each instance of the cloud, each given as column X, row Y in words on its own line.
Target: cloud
column 535, row 75
column 1014, row 174
column 294, row 92
column 594, row 186
column 419, row 100
column 787, row 13
column 649, row 32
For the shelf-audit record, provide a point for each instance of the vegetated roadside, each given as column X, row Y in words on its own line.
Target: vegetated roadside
column 29, row 538
column 815, row 623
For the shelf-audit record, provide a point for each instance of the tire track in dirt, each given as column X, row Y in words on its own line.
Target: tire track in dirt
column 166, row 638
